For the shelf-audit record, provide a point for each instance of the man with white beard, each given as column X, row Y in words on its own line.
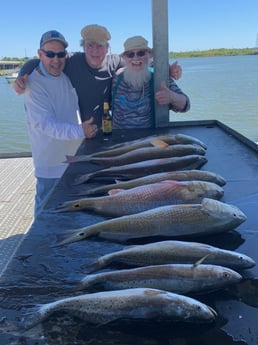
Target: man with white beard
column 133, row 91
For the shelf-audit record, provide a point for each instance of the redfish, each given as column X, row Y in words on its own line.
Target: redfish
column 181, row 175
column 209, row 217
column 141, row 198
column 174, row 252
column 178, row 278
column 141, row 154
column 107, row 306
column 148, row 167
column 150, row 141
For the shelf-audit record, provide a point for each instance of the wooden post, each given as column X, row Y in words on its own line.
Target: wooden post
column 160, row 50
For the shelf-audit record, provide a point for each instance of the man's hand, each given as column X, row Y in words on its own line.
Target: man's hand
column 164, row 95
column 90, row 129
column 20, row 84
column 175, row 71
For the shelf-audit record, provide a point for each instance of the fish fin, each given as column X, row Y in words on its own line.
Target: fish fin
column 200, row 261
column 115, row 191
column 159, row 143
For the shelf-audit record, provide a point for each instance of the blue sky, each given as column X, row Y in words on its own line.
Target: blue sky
column 193, row 24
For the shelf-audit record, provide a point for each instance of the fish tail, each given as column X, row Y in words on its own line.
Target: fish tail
column 32, row 316
column 96, row 266
column 87, row 281
column 75, row 159
column 81, row 179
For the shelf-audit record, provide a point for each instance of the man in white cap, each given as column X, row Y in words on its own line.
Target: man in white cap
column 133, row 91
column 54, row 123
column 90, row 72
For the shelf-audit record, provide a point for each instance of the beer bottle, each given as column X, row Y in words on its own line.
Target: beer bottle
column 106, row 120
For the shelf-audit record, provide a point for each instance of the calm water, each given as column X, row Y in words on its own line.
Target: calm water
column 221, row 88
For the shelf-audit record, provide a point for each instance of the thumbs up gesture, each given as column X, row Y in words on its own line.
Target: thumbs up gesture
column 164, row 95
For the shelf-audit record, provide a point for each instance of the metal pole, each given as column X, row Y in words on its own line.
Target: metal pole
column 160, row 50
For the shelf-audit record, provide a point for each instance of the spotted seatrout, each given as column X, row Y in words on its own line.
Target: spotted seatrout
column 107, row 306
column 178, row 278
column 209, row 217
column 147, row 167
column 181, row 175
column 168, row 252
column 142, row 198
column 141, row 154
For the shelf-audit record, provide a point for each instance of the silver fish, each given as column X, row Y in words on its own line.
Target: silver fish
column 209, row 217
column 178, row 278
column 107, row 306
column 141, row 154
column 176, row 252
column 181, row 175
column 141, row 198
column 151, row 166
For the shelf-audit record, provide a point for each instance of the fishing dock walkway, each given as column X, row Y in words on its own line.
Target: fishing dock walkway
column 17, row 189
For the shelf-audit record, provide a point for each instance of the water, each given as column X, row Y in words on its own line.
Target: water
column 13, row 127
column 221, row 88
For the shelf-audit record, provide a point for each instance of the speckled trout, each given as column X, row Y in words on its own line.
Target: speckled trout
column 141, row 154
column 107, row 306
column 147, row 167
column 209, row 217
column 181, row 175
column 142, row 198
column 178, row 278
column 176, row 252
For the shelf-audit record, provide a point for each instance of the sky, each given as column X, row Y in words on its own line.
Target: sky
column 192, row 24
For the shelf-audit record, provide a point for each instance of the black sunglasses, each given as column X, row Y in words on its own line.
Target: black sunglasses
column 50, row 54
column 140, row 53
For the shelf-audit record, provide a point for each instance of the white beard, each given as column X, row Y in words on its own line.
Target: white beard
column 137, row 79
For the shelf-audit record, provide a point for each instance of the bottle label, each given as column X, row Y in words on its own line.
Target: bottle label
column 106, row 126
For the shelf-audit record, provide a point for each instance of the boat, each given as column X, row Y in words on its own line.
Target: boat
column 11, row 77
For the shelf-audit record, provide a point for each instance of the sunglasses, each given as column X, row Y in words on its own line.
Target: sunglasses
column 50, row 54
column 140, row 53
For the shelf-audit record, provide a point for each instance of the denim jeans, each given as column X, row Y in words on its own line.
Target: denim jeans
column 44, row 188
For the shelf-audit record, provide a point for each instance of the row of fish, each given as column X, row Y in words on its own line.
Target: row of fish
column 141, row 198
column 209, row 217
column 154, row 202
column 145, row 156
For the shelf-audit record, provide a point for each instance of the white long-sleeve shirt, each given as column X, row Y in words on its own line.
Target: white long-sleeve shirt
column 54, row 123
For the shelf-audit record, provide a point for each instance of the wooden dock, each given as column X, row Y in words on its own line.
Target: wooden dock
column 17, row 189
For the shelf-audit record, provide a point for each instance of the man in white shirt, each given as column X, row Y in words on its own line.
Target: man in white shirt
column 53, row 116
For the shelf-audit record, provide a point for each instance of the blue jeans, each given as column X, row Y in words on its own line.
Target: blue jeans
column 44, row 188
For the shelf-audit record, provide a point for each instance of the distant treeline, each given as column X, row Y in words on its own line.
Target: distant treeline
column 214, row 52
column 194, row 53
